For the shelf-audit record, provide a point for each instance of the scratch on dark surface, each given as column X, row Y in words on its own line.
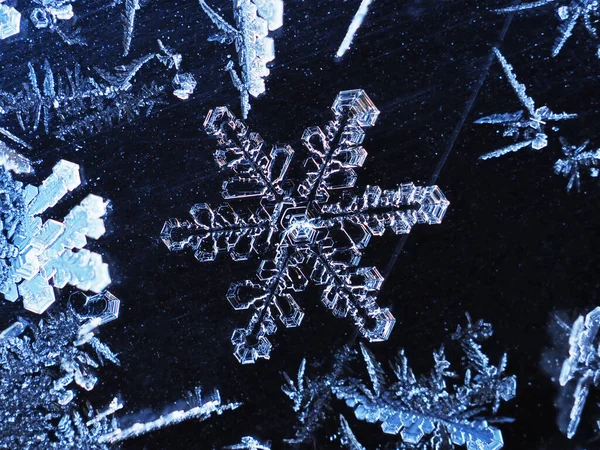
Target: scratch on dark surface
column 453, row 137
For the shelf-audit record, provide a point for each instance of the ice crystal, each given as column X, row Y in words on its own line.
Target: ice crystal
column 302, row 234
column 50, row 13
column 436, row 406
column 311, row 397
column 347, row 438
column 13, row 161
column 35, row 252
column 250, row 443
column 529, row 126
column 570, row 12
column 131, row 6
column 576, row 158
column 73, row 104
column 363, row 9
column 198, row 409
column 582, row 367
column 254, row 19
column 43, row 368
column 10, row 21
column 184, row 83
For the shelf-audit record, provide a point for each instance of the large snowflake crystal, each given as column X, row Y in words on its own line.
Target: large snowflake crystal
column 302, row 234
column 254, row 19
column 37, row 254
column 437, row 405
column 570, row 12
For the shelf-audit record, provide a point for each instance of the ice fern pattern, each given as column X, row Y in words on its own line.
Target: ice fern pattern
column 528, row 127
column 36, row 252
column 254, row 19
column 73, row 104
column 434, row 409
column 44, row 368
column 303, row 234
column 570, row 12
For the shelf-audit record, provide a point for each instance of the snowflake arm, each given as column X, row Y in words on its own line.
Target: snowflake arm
column 131, row 7
column 524, row 6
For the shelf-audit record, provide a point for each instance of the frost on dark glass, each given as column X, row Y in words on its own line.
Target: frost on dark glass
column 73, row 104
column 38, row 255
column 254, row 19
column 44, row 369
column 570, row 13
column 313, row 232
column 440, row 407
column 528, row 127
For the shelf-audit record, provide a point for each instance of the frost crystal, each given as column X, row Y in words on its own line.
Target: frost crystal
column 254, row 19
column 73, row 104
column 198, row 409
column 131, row 6
column 41, row 374
column 36, row 252
column 302, row 234
column 571, row 11
column 50, row 13
column 576, row 158
column 184, row 83
column 348, row 440
column 10, row 21
column 250, row 443
column 582, row 367
column 434, row 406
column 529, row 126
column 357, row 21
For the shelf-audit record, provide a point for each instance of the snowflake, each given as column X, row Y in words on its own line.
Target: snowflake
column 571, row 11
column 436, row 405
column 36, row 252
column 582, row 367
column 529, row 126
column 302, row 234
column 254, row 19
column 575, row 158
column 41, row 372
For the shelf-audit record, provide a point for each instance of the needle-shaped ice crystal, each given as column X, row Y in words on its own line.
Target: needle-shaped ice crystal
column 357, row 21
column 313, row 233
column 41, row 252
column 254, row 19
column 569, row 12
column 530, row 126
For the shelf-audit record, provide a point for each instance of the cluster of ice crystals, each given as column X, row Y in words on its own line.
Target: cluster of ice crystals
column 576, row 158
column 436, row 406
column 570, row 12
column 10, row 21
column 41, row 375
column 529, row 126
column 50, row 12
column 72, row 104
column 302, row 234
column 36, row 252
column 254, row 19
column 582, row 367
column 250, row 443
column 184, row 83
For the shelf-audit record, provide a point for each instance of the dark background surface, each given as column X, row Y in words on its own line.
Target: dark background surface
column 514, row 246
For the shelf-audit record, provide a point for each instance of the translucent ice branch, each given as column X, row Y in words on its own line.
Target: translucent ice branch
column 131, row 6
column 357, row 21
column 13, row 161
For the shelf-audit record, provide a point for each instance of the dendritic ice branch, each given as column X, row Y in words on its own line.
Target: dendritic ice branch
column 570, row 12
column 37, row 255
column 529, row 126
column 581, row 369
column 306, row 234
column 72, row 104
column 254, row 19
column 576, row 159
column 436, row 406
column 43, row 368
column 198, row 408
